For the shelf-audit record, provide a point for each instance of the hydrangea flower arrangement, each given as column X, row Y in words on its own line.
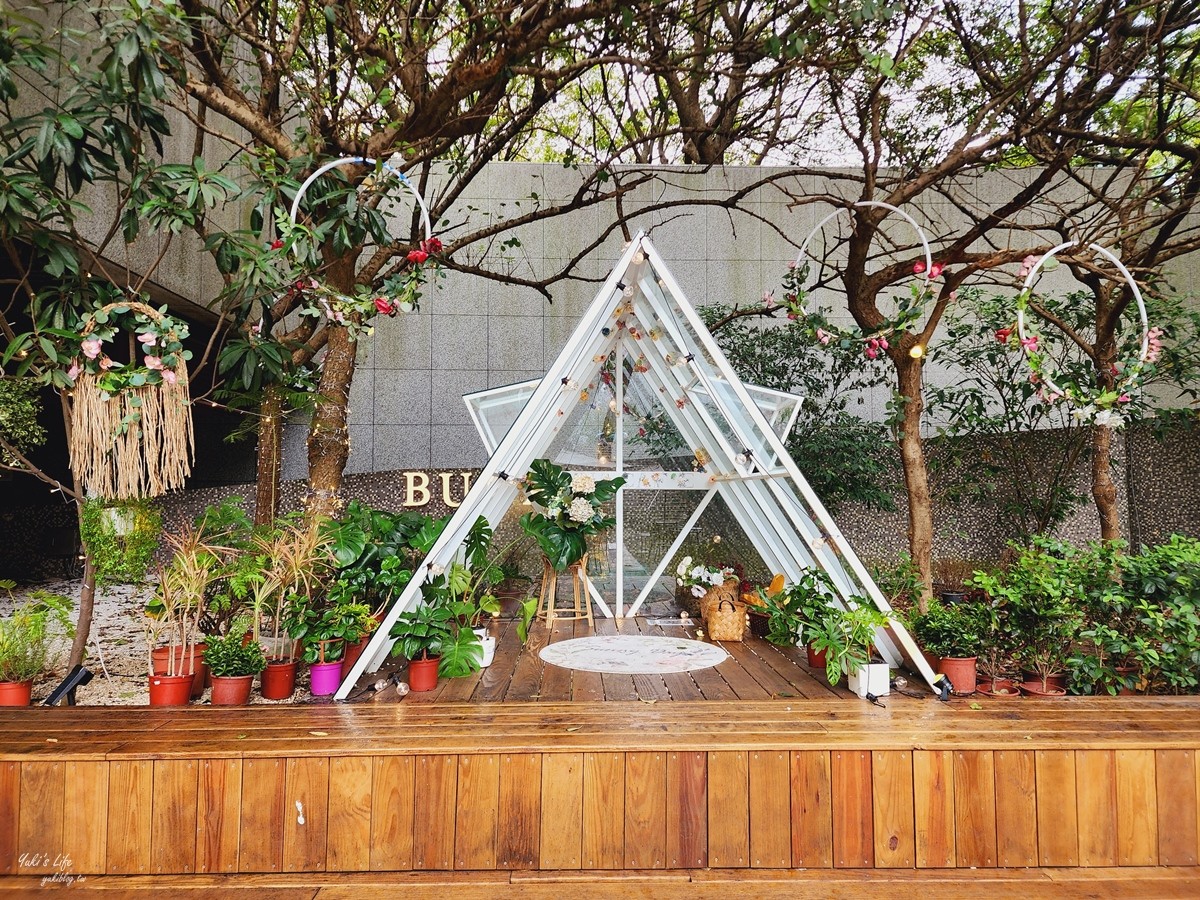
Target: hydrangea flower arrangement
column 699, row 577
column 571, row 510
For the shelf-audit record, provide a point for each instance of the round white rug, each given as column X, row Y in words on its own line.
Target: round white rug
column 633, row 654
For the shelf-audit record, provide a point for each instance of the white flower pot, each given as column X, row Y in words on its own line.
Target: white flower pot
column 874, row 678
column 489, row 646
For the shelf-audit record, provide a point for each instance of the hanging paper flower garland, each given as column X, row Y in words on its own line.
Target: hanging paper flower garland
column 401, row 291
column 911, row 309
column 1093, row 403
column 131, row 423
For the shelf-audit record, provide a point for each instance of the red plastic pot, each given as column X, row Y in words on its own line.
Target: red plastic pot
column 170, row 690
column 196, row 667
column 961, row 672
column 1036, row 691
column 423, row 673
column 1058, row 679
column 1000, row 688
column 16, row 693
column 279, row 680
column 353, row 652
column 815, row 660
column 231, row 690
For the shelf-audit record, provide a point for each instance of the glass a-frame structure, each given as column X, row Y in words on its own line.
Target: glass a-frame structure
column 641, row 389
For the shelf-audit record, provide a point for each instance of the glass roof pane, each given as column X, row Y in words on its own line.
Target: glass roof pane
column 495, row 410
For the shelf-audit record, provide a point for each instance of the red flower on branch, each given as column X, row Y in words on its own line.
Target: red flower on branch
column 417, row 256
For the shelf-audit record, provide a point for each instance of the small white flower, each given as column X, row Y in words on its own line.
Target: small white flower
column 583, row 484
column 1084, row 414
column 698, row 591
column 580, row 511
column 1109, row 417
column 436, row 570
column 681, row 570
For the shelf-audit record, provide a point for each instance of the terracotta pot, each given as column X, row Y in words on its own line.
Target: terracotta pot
column 423, row 673
column 196, row 666
column 933, row 659
column 16, row 693
column 1035, row 690
column 325, row 678
column 231, row 690
column 815, row 660
column 1000, row 688
column 1127, row 673
column 961, row 672
column 354, row 651
column 279, row 680
column 1058, row 679
column 170, row 690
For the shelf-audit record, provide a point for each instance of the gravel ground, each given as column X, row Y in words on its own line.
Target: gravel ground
column 117, row 653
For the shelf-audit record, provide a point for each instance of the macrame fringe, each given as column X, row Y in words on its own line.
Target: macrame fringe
column 151, row 455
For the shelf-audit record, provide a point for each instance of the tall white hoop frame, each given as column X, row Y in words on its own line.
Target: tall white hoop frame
column 881, row 205
column 1027, row 289
column 426, row 223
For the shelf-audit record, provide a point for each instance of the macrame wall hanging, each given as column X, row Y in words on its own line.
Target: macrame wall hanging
column 131, row 423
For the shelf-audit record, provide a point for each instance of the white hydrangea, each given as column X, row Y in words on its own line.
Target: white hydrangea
column 580, row 510
column 583, row 484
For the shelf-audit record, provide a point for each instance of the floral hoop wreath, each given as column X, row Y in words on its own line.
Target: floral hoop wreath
column 400, row 296
column 877, row 341
column 1055, row 387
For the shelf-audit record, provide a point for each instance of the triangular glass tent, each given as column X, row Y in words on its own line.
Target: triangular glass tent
column 642, row 389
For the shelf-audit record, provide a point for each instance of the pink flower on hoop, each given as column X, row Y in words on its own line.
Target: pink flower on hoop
column 824, row 336
column 918, row 268
column 154, row 363
column 937, row 270
column 1030, row 343
column 417, row 257
column 91, row 347
column 169, row 376
column 148, row 339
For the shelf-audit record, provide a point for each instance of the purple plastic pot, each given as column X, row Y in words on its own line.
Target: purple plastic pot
column 325, row 678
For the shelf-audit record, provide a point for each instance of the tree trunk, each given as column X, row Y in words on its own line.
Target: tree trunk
column 328, row 436
column 916, row 475
column 87, row 599
column 269, row 467
column 1104, row 491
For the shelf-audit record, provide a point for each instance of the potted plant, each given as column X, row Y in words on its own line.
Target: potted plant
column 423, row 635
column 792, row 614
column 847, row 636
column 173, row 614
column 29, row 640
column 570, row 511
column 233, row 662
column 996, row 647
column 953, row 633
column 292, row 561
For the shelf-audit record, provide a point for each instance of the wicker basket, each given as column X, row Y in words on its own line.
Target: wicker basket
column 727, row 591
column 726, row 620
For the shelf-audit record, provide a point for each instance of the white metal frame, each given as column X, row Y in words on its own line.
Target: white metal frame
column 774, row 505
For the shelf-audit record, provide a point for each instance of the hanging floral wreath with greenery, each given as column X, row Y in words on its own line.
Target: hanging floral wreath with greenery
column 1076, row 383
column 910, row 308
column 399, row 292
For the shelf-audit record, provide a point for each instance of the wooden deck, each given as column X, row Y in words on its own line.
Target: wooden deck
column 756, row 670
column 535, row 790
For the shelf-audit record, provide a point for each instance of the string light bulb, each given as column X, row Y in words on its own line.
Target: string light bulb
column 917, row 351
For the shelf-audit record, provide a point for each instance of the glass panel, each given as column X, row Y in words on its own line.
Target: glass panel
column 586, row 440
column 495, row 410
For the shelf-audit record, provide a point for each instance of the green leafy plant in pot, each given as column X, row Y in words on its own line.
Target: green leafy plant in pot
column 570, row 511
column 793, row 612
column 233, row 662
column 29, row 642
column 846, row 637
column 952, row 632
column 435, row 643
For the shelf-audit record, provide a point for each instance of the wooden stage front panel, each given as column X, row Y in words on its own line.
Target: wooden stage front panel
column 1083, row 782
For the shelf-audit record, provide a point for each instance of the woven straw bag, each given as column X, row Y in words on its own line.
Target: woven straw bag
column 714, row 595
column 726, row 620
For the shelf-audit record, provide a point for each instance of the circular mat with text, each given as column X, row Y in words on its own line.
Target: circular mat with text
column 632, row 654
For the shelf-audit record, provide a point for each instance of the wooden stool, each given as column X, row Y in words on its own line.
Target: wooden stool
column 548, row 608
